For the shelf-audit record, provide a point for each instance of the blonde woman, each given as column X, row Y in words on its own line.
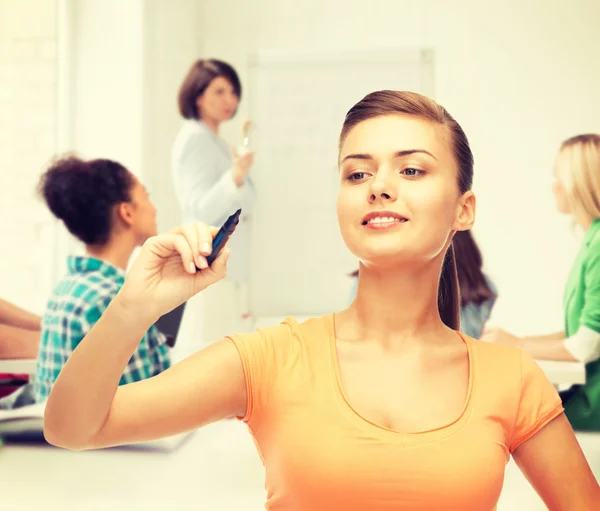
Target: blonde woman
column 380, row 407
column 577, row 193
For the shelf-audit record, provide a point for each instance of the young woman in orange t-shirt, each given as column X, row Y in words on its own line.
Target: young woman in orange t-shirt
column 382, row 406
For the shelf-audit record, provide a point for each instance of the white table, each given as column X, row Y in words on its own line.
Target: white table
column 563, row 373
column 18, row 366
column 216, row 468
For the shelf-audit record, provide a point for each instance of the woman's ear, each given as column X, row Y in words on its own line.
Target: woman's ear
column 124, row 213
column 465, row 215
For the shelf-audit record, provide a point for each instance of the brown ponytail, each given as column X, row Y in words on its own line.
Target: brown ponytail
column 449, row 292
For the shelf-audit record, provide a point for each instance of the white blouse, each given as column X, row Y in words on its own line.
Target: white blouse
column 201, row 167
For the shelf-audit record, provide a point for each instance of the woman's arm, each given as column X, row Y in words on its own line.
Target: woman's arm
column 18, row 342
column 583, row 346
column 543, row 347
column 15, row 316
column 87, row 409
column 555, row 465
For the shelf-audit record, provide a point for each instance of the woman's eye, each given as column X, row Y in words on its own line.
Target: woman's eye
column 356, row 176
column 411, row 172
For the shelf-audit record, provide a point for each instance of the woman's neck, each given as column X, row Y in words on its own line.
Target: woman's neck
column 585, row 223
column 116, row 252
column 397, row 307
column 212, row 124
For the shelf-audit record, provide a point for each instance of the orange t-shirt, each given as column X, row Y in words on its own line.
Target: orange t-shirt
column 320, row 454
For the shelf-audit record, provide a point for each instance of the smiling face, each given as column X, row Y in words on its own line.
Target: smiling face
column 399, row 200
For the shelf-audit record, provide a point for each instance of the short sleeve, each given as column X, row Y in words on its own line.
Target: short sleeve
column 263, row 354
column 539, row 402
column 590, row 315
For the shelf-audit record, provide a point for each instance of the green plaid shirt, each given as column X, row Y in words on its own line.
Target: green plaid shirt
column 77, row 303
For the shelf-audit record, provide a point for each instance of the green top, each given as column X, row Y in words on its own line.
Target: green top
column 582, row 308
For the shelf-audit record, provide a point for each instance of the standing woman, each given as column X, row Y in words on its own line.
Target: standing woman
column 211, row 181
column 477, row 291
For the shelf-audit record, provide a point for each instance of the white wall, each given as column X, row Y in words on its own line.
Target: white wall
column 519, row 76
column 128, row 60
column 97, row 77
column 27, row 140
column 172, row 41
column 108, row 82
column 124, row 61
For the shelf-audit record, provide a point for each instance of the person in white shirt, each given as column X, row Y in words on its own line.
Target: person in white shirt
column 211, row 181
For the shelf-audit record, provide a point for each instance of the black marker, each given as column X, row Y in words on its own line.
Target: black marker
column 223, row 236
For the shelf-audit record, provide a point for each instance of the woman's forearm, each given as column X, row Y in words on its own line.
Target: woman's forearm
column 15, row 316
column 548, row 348
column 18, row 342
column 81, row 398
column 544, row 338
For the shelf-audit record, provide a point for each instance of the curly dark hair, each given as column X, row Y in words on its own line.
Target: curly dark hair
column 83, row 194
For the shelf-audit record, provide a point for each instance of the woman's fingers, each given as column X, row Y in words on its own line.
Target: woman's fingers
column 199, row 239
column 182, row 246
column 166, row 246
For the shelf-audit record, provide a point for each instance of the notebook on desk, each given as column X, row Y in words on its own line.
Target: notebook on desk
column 26, row 424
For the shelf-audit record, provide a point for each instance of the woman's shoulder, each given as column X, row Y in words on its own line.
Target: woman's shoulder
column 593, row 241
column 291, row 327
column 192, row 131
column 287, row 335
column 497, row 357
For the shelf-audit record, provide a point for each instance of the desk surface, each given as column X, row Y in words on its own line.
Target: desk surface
column 18, row 366
column 216, row 468
column 561, row 373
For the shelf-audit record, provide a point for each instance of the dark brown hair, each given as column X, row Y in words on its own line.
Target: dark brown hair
column 474, row 287
column 388, row 102
column 83, row 194
column 198, row 78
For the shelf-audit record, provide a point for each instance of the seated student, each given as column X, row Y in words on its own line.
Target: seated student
column 477, row 292
column 577, row 194
column 107, row 208
column 19, row 332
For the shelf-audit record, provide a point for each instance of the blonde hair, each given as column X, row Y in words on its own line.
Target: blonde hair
column 578, row 172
